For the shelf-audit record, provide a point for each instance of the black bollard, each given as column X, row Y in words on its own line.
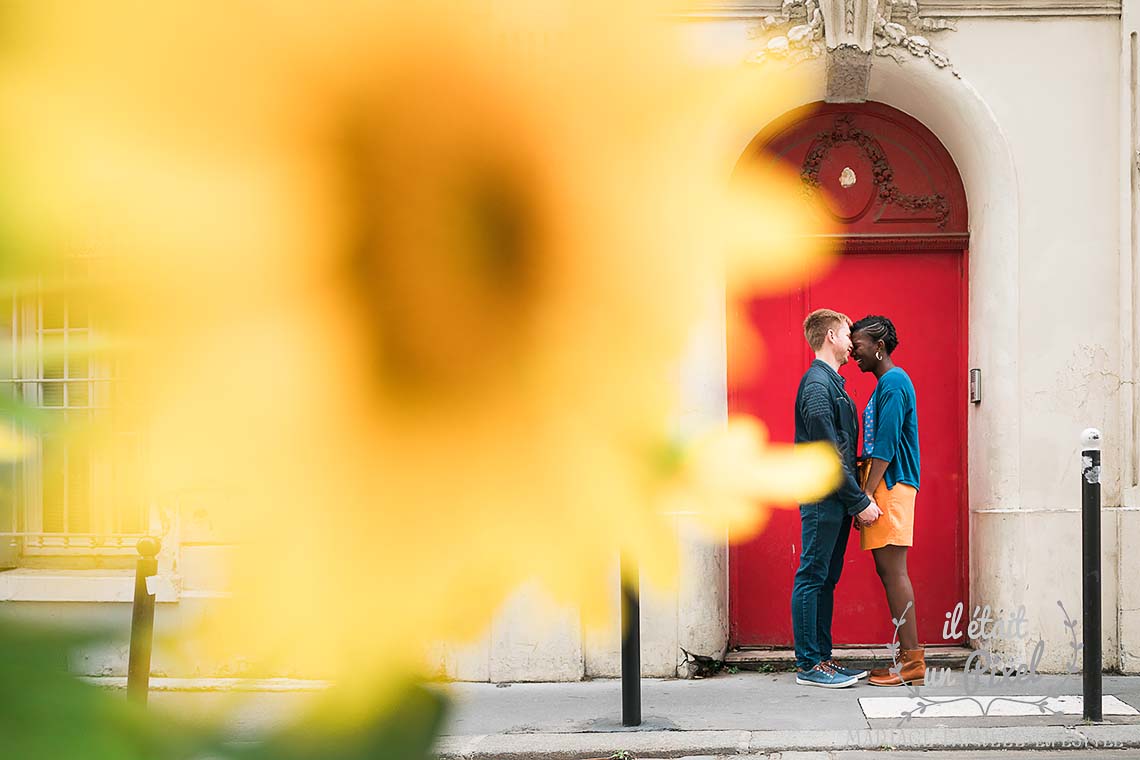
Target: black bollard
column 142, row 623
column 1090, row 550
column 630, row 642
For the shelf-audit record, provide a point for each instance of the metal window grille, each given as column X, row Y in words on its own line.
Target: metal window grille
column 78, row 492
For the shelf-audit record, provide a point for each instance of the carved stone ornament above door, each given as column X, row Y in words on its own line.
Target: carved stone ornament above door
column 929, row 207
column 852, row 32
column 868, row 172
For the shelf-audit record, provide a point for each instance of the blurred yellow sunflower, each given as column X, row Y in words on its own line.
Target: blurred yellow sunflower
column 410, row 279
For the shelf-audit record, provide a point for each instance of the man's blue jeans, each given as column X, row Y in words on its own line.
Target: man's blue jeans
column 825, row 528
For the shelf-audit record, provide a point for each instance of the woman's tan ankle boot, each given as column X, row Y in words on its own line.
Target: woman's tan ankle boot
column 913, row 671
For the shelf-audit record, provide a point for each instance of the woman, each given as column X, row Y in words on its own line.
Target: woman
column 890, row 468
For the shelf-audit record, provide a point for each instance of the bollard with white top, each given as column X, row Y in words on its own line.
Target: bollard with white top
column 1090, row 590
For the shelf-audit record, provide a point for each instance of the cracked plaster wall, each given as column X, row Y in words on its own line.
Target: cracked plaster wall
column 1059, row 112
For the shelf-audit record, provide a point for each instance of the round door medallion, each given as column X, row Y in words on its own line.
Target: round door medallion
column 847, row 178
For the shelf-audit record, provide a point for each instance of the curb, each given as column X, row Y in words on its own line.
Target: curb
column 676, row 744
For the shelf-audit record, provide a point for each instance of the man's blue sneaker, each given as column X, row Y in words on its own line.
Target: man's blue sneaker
column 821, row 675
column 845, row 671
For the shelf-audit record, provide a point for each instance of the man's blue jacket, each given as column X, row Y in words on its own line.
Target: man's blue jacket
column 824, row 412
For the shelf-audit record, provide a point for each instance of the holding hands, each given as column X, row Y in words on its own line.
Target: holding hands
column 868, row 515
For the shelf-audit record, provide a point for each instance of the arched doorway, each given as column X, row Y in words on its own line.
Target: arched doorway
column 899, row 200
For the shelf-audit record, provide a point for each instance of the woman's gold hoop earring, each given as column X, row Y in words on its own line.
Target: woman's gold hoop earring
column 878, row 355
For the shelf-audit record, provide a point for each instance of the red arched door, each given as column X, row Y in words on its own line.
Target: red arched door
column 897, row 196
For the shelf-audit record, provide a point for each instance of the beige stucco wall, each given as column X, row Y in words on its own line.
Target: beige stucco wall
column 1054, row 88
column 1035, row 122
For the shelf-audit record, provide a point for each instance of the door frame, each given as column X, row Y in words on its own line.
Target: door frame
column 853, row 244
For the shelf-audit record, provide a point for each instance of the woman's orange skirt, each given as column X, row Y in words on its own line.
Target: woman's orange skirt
column 896, row 525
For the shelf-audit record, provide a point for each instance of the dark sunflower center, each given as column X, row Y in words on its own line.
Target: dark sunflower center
column 500, row 225
column 443, row 261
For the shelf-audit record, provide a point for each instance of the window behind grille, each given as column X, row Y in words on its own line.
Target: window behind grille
column 77, row 493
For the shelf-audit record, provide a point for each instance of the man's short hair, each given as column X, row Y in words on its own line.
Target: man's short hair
column 819, row 322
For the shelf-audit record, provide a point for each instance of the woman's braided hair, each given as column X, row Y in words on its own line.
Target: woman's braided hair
column 878, row 328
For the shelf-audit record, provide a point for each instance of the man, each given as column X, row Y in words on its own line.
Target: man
column 824, row 412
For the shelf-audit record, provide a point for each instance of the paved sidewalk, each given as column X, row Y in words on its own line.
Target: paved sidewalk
column 762, row 714
column 754, row 715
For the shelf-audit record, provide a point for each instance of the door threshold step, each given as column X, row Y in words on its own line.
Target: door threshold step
column 861, row 657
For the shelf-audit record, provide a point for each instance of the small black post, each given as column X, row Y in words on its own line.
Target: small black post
column 142, row 623
column 630, row 642
column 1090, row 550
